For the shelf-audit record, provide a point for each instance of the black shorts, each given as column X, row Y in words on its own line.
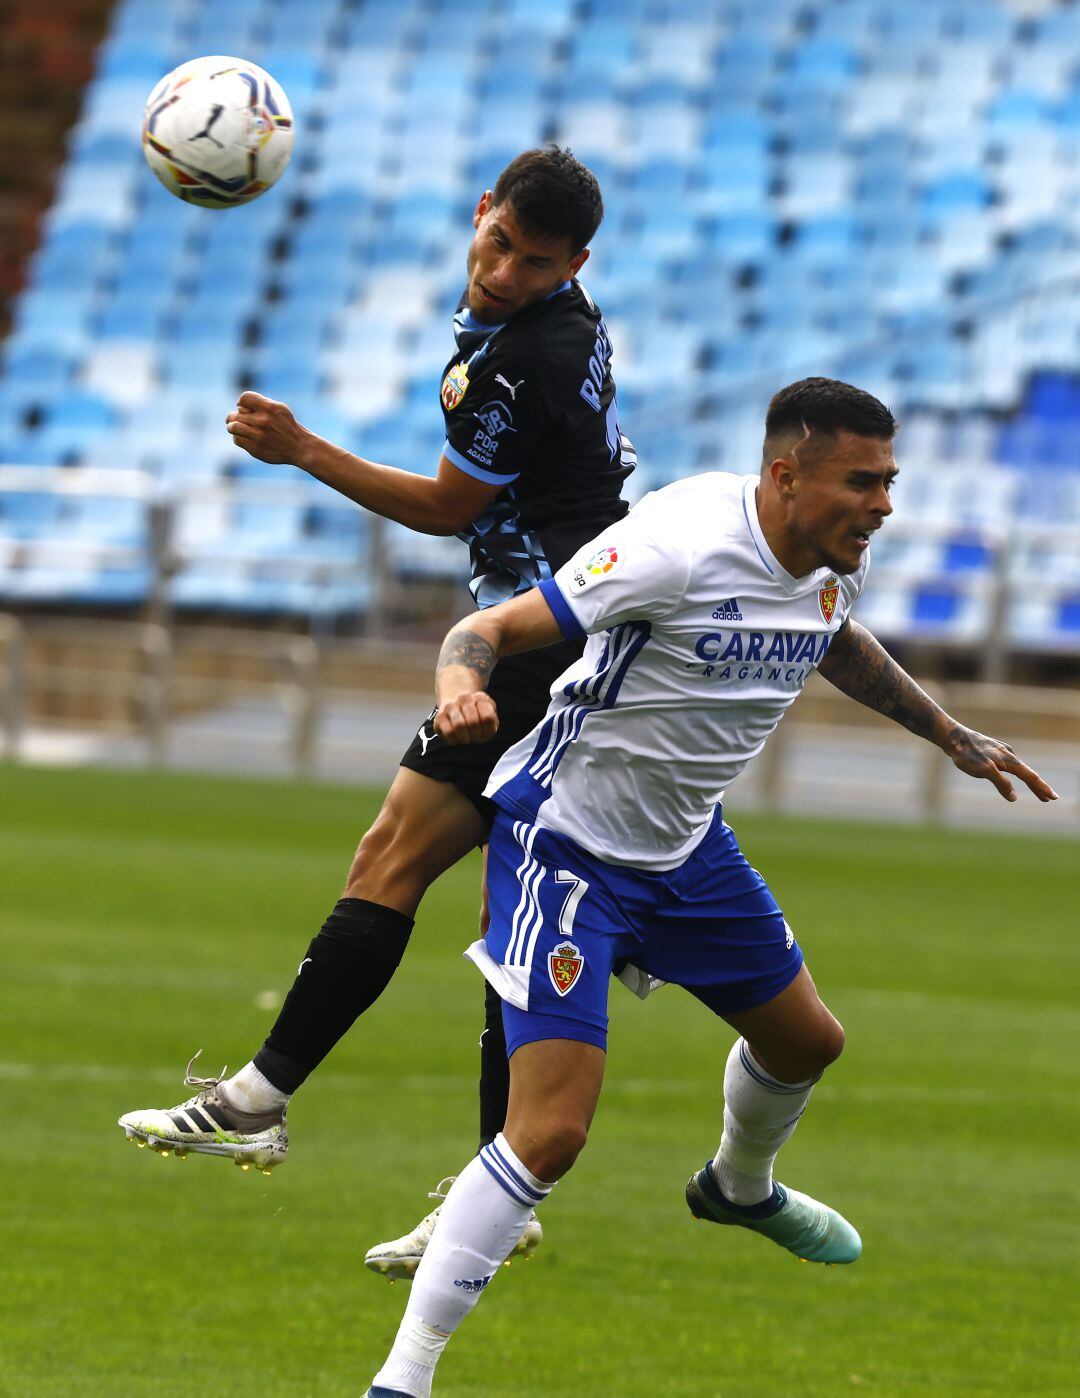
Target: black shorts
column 520, row 686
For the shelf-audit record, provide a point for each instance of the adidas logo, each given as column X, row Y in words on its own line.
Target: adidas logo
column 476, row 1284
column 728, row 611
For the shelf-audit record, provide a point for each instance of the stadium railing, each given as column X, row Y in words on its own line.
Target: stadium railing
column 223, row 699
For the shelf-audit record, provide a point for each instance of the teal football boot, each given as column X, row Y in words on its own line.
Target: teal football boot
column 810, row 1230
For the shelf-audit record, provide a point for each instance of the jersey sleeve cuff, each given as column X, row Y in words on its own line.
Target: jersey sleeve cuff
column 471, row 469
column 560, row 609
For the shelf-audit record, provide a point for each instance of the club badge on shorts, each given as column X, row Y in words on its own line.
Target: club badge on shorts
column 454, row 386
column 827, row 595
column 564, row 967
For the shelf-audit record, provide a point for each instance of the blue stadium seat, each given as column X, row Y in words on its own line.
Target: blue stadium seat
column 285, row 380
column 26, row 514
column 967, row 553
column 788, row 182
column 1068, row 617
column 934, row 607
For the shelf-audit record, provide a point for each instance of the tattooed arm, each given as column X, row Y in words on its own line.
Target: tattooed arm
column 465, row 713
column 860, row 666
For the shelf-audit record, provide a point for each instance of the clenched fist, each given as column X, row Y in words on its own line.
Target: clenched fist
column 267, row 430
column 467, row 718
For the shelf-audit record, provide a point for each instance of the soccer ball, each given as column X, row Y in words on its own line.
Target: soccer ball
column 217, row 131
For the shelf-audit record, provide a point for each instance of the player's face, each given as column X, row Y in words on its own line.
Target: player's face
column 841, row 499
column 510, row 269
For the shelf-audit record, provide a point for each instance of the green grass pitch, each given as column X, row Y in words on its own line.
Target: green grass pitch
column 146, row 916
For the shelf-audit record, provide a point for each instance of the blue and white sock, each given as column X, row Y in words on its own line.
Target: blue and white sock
column 760, row 1113
column 480, row 1223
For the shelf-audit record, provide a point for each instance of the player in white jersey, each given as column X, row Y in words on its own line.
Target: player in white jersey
column 706, row 609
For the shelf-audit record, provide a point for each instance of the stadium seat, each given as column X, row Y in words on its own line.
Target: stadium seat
column 863, row 188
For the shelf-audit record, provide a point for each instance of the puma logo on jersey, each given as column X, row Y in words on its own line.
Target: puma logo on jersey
column 512, row 387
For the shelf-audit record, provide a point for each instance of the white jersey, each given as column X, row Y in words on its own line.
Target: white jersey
column 699, row 640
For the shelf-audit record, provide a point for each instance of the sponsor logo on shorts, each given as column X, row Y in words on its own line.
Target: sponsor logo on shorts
column 564, row 967
column 827, row 595
column 789, row 937
column 454, row 386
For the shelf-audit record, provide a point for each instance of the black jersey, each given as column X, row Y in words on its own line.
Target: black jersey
column 530, row 404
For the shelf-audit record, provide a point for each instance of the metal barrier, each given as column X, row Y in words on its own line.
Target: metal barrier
column 217, row 699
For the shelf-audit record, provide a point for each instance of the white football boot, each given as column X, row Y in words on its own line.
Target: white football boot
column 398, row 1260
column 209, row 1124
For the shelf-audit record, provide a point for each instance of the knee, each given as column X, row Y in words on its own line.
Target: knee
column 805, row 1056
column 826, row 1046
column 553, row 1148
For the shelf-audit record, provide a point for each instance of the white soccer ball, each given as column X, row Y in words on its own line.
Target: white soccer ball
column 217, row 131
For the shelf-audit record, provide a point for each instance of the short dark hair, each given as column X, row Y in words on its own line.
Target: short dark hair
column 828, row 406
column 552, row 195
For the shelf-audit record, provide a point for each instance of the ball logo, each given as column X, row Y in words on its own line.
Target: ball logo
column 602, row 562
column 564, row 967
column 827, row 595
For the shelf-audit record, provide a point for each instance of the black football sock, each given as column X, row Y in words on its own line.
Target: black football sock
column 347, row 967
column 494, row 1069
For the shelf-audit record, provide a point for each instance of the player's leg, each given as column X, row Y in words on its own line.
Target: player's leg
column 556, row 930
column 784, row 1047
column 423, row 828
column 723, row 936
column 434, row 813
column 555, row 1085
column 399, row 1258
column 494, row 1064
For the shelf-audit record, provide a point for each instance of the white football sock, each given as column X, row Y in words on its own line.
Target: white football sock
column 480, row 1224
column 760, row 1113
column 252, row 1091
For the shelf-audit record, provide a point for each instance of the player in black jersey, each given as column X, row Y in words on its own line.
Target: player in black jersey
column 532, row 466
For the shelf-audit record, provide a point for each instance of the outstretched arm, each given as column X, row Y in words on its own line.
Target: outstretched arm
column 465, row 713
column 443, row 505
column 862, row 668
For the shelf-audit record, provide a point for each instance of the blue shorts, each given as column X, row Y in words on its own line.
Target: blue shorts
column 562, row 920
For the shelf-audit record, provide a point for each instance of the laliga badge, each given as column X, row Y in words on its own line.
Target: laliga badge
column 827, row 595
column 564, row 966
column 603, row 562
column 454, row 386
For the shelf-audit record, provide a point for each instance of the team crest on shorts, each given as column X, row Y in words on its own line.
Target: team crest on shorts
column 827, row 595
column 564, row 967
column 454, row 386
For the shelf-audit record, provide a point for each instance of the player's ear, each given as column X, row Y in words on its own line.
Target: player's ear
column 783, row 474
column 482, row 208
column 577, row 262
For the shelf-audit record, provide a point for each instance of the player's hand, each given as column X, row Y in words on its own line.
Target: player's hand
column 266, row 429
column 980, row 756
column 467, row 718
